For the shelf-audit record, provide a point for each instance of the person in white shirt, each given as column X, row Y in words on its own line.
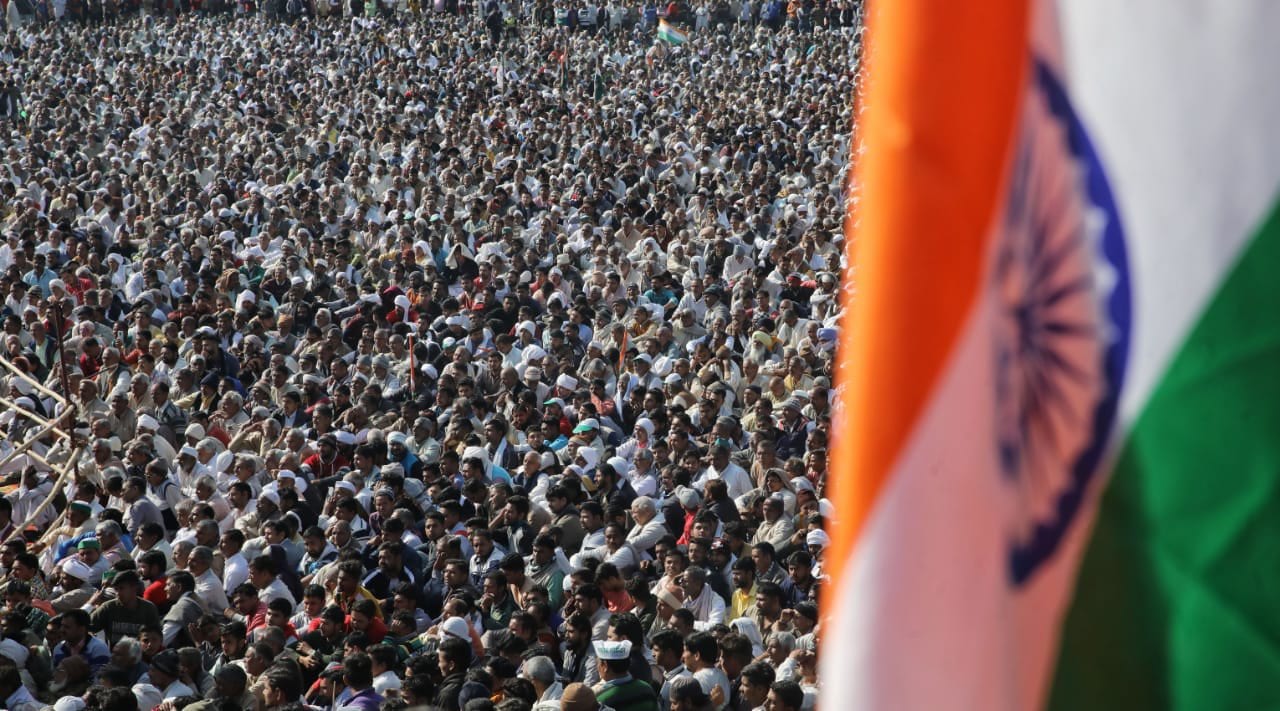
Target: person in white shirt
column 235, row 568
column 735, row 477
column 738, row 263
column 644, row 477
column 701, row 652
column 706, row 604
column 541, row 672
column 208, row 587
column 16, row 696
column 385, row 681
column 264, row 576
column 163, row 675
column 650, row 525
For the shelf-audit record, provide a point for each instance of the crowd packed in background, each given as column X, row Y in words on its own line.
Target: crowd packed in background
column 426, row 360
column 606, row 17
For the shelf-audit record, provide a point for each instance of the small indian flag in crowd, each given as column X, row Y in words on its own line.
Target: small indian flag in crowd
column 1056, row 460
column 671, row 33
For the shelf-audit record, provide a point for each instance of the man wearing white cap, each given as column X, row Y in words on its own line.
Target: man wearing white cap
column 149, row 425
column 617, row 689
column 566, row 385
column 186, row 468
column 817, row 541
column 641, row 376
column 586, row 434
column 73, row 589
column 532, row 378
column 147, row 696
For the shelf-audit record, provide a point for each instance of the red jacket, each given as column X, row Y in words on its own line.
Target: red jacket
column 155, row 593
column 377, row 629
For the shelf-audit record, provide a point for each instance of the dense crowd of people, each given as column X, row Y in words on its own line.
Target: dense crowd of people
column 369, row 363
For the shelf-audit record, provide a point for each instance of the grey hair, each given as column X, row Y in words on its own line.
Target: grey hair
column 206, row 481
column 786, row 640
column 204, row 553
column 540, row 668
column 644, row 503
column 108, row 528
column 210, row 444
column 133, row 647
column 183, row 545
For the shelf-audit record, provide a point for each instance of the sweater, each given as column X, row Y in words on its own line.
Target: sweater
column 627, row 694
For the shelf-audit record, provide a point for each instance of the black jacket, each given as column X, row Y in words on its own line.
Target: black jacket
column 450, row 689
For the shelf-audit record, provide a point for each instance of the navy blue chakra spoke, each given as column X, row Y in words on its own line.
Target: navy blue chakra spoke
column 1062, row 333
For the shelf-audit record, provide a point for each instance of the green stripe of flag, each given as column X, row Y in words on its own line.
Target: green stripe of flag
column 1178, row 600
column 672, row 34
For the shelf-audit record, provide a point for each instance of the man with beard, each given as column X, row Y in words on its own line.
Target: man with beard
column 389, row 573
column 565, row 517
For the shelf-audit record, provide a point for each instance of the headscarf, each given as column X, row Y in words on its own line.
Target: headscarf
column 747, row 627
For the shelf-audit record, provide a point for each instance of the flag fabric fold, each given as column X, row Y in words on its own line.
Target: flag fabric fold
column 1052, row 469
column 671, row 34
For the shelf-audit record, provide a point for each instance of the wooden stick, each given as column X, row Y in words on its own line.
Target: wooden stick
column 28, row 444
column 39, row 458
column 52, row 467
column 42, row 460
column 53, row 527
column 62, row 357
column 31, row 415
column 53, row 493
column 57, row 522
column 34, row 383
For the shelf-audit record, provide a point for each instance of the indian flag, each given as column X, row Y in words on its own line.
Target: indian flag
column 671, row 33
column 1057, row 464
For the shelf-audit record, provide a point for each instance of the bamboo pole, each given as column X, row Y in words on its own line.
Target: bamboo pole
column 68, row 412
column 52, row 467
column 73, row 462
column 34, row 383
column 57, row 522
column 53, row 493
column 27, row 444
column 54, row 525
column 33, row 416
column 50, row 425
